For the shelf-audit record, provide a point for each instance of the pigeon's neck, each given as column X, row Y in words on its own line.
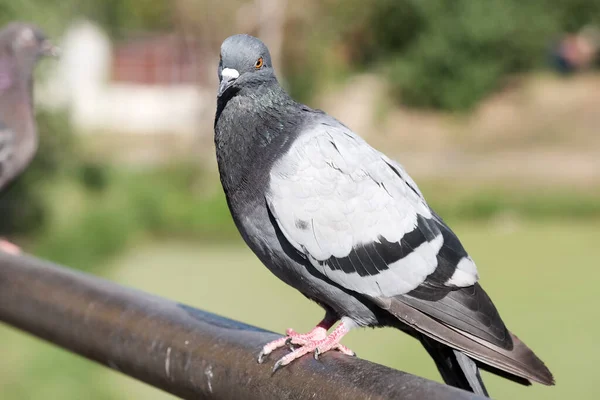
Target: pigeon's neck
column 251, row 129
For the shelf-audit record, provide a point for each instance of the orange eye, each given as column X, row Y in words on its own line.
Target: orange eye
column 259, row 63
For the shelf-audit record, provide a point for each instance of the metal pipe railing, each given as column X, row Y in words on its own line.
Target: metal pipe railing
column 190, row 353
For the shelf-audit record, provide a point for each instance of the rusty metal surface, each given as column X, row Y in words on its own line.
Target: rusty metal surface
column 188, row 352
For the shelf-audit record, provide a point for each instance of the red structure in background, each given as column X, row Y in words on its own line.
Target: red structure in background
column 168, row 59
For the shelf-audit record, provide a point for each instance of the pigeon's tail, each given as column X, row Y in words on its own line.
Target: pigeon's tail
column 455, row 367
column 515, row 362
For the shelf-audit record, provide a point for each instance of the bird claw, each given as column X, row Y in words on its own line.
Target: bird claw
column 315, row 341
column 344, row 350
column 261, row 356
column 338, row 346
column 289, row 344
column 269, row 348
column 277, row 365
column 292, row 338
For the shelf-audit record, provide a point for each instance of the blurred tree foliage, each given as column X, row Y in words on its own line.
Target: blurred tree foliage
column 448, row 55
column 116, row 16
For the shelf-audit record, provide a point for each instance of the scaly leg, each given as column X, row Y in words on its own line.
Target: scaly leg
column 320, row 346
column 317, row 333
column 315, row 341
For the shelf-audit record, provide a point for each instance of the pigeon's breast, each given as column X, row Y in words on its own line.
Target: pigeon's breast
column 249, row 141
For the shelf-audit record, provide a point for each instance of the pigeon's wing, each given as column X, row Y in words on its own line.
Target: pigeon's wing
column 447, row 298
column 362, row 222
column 7, row 143
column 359, row 218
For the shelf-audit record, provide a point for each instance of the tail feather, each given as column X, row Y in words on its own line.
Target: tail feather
column 455, row 367
column 519, row 361
column 469, row 368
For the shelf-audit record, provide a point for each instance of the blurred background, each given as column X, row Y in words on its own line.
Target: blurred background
column 493, row 107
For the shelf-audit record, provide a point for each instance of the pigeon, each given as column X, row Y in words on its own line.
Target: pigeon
column 21, row 46
column 347, row 226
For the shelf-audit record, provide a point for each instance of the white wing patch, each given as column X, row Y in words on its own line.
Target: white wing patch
column 333, row 192
column 402, row 276
column 465, row 274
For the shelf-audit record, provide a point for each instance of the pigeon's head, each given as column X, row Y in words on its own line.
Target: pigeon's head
column 245, row 61
column 26, row 43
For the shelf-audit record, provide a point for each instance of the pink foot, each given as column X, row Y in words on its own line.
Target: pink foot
column 318, row 346
column 315, row 341
column 292, row 337
column 316, row 335
column 8, row 247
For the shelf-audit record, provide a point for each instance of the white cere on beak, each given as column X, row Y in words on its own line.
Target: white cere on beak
column 230, row 73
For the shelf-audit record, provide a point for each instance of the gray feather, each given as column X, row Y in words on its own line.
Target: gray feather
column 332, row 194
column 519, row 360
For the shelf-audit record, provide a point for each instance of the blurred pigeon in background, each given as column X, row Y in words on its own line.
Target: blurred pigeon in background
column 347, row 227
column 21, row 46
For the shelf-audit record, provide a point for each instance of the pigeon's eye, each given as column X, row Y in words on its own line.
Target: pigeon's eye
column 259, row 63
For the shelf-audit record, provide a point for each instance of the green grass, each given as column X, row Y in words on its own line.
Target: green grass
column 542, row 276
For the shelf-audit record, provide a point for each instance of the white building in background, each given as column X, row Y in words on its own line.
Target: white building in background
column 143, row 86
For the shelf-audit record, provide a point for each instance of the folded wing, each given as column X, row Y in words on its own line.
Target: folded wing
column 358, row 217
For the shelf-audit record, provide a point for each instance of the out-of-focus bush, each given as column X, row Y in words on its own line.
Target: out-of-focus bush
column 571, row 15
column 446, row 55
column 91, row 225
column 465, row 50
column 374, row 30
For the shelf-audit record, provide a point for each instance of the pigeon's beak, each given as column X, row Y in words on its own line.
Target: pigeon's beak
column 228, row 76
column 50, row 50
